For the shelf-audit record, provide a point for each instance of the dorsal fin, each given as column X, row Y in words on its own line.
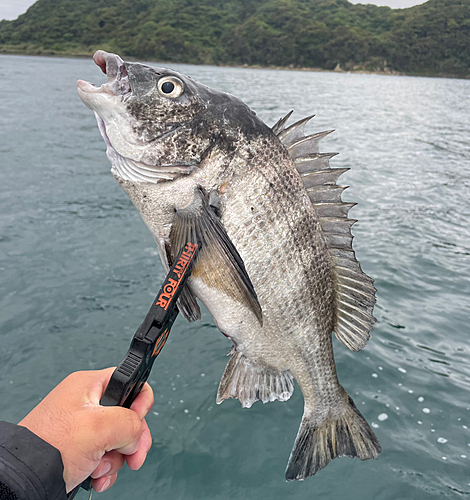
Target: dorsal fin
column 355, row 291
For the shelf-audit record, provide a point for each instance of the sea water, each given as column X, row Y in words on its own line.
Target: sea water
column 78, row 271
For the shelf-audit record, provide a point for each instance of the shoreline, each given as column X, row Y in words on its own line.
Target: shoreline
column 338, row 69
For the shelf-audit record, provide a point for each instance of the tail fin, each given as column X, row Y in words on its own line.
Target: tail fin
column 319, row 443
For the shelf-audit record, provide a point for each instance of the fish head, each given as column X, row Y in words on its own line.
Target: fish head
column 147, row 117
column 158, row 123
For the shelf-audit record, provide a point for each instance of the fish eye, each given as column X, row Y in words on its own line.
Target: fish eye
column 170, row 86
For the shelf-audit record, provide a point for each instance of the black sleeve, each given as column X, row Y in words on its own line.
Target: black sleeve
column 30, row 468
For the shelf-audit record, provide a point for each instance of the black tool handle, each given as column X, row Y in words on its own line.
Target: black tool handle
column 129, row 377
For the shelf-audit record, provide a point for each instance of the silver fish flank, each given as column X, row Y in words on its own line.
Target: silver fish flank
column 277, row 271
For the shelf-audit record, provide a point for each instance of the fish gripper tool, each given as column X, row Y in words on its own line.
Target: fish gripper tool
column 128, row 378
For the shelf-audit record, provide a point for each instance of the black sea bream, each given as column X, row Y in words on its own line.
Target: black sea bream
column 277, row 270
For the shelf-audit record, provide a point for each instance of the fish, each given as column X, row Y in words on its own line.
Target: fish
column 277, row 270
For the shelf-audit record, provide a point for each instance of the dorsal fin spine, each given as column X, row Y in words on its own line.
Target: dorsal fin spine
column 279, row 125
column 317, row 135
column 314, row 162
column 328, row 192
column 339, row 240
column 308, row 143
column 337, row 224
column 327, row 176
column 294, row 132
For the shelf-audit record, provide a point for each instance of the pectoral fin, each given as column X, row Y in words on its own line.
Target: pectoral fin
column 219, row 264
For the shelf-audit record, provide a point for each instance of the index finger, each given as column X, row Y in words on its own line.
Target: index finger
column 143, row 403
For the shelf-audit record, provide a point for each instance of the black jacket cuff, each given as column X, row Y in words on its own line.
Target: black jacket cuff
column 30, row 468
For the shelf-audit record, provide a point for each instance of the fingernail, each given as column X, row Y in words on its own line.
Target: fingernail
column 104, row 469
column 134, row 448
column 106, row 485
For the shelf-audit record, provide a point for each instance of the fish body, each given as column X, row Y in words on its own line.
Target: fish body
column 277, row 273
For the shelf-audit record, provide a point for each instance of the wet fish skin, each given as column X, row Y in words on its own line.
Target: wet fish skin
column 165, row 153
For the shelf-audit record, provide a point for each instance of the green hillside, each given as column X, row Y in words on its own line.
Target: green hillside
column 429, row 39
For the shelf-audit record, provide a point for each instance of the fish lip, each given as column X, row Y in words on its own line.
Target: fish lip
column 99, row 58
column 110, row 64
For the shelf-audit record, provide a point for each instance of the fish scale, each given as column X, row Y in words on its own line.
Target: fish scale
column 277, row 270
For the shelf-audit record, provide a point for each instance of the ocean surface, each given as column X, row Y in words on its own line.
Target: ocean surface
column 78, row 271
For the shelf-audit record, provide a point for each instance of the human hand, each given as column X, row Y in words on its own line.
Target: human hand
column 92, row 439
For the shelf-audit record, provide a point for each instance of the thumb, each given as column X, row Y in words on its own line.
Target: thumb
column 118, row 429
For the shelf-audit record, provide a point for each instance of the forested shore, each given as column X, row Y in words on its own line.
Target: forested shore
column 431, row 39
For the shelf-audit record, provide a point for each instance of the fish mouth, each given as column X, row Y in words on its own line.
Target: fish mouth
column 115, row 69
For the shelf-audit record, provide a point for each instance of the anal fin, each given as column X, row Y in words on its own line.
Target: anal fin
column 248, row 382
